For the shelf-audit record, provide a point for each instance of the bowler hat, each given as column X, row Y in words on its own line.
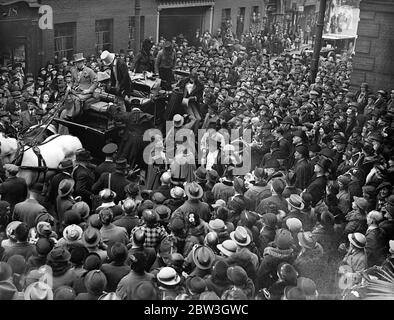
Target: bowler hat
column 284, row 239
column 203, row 257
column 83, row 155
column 240, row 236
column 65, row 164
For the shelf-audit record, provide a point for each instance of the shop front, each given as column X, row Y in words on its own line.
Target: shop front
column 19, row 34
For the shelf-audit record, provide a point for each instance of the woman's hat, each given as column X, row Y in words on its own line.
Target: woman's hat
column 203, row 257
column 168, row 276
column 240, row 236
column 177, row 193
column 194, row 190
column 72, row 233
column 306, row 240
column 237, row 275
column 295, row 201
column 107, row 57
column 38, row 291
column 59, row 254
column 357, row 239
column 91, row 237
column 227, row 247
column 65, row 164
column 65, row 187
column 217, row 225
column 82, row 208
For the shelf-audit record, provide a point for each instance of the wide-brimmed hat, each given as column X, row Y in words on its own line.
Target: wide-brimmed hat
column 107, row 57
column 227, row 247
column 58, row 254
column 78, row 57
column 72, row 233
column 203, row 257
column 201, row 174
column 65, row 187
column 177, row 192
column 83, row 155
column 193, row 190
column 295, row 201
column 164, row 212
column 178, row 120
column 306, row 239
column 357, row 239
column 212, row 175
column 168, row 276
column 240, row 236
column 91, row 237
column 38, row 291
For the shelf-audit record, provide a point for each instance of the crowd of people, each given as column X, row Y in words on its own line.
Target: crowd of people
column 315, row 210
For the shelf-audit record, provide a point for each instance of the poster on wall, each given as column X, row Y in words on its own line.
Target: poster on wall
column 342, row 18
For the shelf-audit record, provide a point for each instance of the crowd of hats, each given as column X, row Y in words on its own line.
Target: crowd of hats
column 345, row 136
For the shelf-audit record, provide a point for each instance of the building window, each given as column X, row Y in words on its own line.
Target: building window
column 104, row 35
column 65, row 36
column 226, row 20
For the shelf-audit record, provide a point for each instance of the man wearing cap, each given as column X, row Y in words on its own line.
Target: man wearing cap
column 108, row 165
column 120, row 78
column 29, row 117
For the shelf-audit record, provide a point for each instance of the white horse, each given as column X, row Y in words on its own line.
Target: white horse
column 53, row 150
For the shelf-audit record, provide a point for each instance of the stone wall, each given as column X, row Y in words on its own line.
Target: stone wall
column 374, row 61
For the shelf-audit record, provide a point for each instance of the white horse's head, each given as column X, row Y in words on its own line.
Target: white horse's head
column 8, row 148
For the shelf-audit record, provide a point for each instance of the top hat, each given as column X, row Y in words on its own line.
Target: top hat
column 78, row 57
column 107, row 57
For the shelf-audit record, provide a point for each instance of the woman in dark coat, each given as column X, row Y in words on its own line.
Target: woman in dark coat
column 144, row 60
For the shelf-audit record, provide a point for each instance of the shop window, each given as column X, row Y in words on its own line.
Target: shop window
column 65, row 39
column 104, row 35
